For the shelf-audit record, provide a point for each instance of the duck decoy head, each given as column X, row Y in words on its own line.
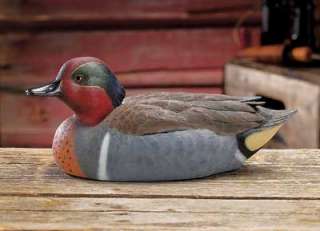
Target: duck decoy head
column 87, row 86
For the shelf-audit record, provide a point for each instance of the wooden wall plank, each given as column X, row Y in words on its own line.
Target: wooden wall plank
column 101, row 21
column 26, row 121
column 124, row 50
column 180, row 78
column 173, row 78
column 50, row 14
column 124, row 13
column 125, row 6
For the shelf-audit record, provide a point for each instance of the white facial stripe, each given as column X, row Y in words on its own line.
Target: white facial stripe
column 103, row 158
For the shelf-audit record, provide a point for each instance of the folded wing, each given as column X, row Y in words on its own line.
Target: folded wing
column 165, row 112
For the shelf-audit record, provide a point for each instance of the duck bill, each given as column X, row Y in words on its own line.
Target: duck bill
column 51, row 89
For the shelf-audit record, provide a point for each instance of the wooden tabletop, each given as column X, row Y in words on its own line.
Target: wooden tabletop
column 275, row 190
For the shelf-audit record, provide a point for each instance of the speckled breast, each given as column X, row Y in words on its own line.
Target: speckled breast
column 63, row 148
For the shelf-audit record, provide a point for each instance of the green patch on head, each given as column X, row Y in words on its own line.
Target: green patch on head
column 97, row 74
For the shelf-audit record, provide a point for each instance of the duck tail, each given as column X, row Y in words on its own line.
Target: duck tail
column 275, row 117
column 253, row 140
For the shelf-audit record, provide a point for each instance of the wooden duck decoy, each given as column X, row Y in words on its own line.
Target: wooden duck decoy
column 154, row 137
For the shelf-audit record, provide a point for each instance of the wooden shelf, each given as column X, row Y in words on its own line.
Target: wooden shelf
column 295, row 88
column 276, row 189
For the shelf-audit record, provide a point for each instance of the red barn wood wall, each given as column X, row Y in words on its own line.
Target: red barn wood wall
column 153, row 45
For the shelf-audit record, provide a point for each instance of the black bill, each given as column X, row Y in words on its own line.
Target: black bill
column 51, row 89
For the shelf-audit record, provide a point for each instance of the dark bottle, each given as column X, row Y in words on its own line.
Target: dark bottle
column 303, row 24
column 275, row 21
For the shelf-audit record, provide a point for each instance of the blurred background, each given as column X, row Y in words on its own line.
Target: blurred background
column 161, row 45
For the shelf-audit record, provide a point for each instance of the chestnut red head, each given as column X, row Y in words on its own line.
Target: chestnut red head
column 87, row 86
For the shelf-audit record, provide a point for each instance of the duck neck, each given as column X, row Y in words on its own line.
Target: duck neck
column 92, row 118
column 91, row 112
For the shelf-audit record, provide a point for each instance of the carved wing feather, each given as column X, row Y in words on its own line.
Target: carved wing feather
column 165, row 112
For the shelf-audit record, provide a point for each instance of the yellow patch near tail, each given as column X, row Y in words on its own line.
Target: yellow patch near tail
column 256, row 140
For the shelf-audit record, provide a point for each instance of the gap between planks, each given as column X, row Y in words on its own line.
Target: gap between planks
column 128, row 196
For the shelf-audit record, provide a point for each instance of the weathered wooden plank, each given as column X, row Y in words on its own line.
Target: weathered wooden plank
column 192, row 214
column 50, row 14
column 44, row 53
column 26, row 121
column 191, row 78
column 160, row 78
column 52, row 6
column 46, row 14
column 295, row 88
column 272, row 174
column 100, row 21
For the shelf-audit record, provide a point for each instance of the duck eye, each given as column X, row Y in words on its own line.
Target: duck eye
column 78, row 78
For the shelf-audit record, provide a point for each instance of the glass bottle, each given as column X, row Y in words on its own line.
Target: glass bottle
column 303, row 24
column 275, row 21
